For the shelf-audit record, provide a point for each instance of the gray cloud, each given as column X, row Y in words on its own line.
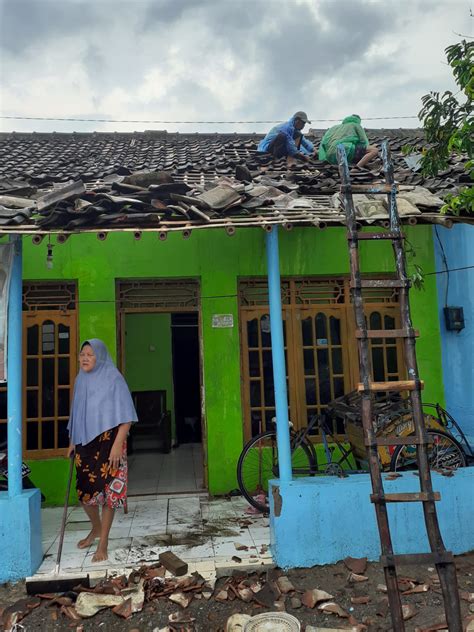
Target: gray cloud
column 162, row 12
column 24, row 23
column 223, row 59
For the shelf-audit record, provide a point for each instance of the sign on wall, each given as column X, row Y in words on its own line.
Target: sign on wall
column 6, row 258
column 222, row 321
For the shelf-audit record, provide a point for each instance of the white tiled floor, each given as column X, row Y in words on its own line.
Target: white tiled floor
column 202, row 532
column 156, row 473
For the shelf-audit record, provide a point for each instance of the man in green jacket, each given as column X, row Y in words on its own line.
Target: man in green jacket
column 351, row 134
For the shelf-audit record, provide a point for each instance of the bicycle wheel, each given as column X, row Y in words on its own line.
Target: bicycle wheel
column 444, row 453
column 258, row 463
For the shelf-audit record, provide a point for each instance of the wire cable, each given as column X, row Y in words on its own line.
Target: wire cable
column 99, row 120
column 447, row 271
column 445, row 263
column 220, row 296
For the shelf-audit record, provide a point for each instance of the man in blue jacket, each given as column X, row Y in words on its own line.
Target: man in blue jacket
column 287, row 140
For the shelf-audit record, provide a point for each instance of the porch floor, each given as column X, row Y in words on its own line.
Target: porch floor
column 202, row 532
column 151, row 472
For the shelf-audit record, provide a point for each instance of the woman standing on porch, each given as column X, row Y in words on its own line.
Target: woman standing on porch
column 101, row 415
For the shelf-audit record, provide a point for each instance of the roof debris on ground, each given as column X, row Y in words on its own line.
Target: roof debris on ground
column 320, row 598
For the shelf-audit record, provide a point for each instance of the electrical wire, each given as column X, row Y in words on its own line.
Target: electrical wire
column 436, row 272
column 445, row 262
column 98, row 120
column 447, row 271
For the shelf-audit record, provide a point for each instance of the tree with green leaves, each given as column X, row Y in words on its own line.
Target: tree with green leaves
column 448, row 122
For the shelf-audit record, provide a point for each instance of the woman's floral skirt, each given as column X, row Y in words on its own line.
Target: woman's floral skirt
column 96, row 482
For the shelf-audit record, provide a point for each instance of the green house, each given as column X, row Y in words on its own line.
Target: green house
column 178, row 291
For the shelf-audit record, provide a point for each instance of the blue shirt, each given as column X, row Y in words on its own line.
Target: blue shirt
column 288, row 128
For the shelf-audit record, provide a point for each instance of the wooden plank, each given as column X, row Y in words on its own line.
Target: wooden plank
column 375, row 283
column 173, row 563
column 405, row 497
column 440, row 557
column 387, row 333
column 377, row 236
column 401, row 385
column 376, row 188
column 388, row 441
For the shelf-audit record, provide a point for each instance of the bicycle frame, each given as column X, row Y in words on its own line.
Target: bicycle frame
column 303, row 435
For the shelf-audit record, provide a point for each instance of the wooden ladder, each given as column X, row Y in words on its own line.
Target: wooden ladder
column 439, row 557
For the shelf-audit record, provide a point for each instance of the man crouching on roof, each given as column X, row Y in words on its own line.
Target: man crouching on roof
column 287, row 140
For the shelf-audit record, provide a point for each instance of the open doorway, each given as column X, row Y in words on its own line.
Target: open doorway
column 162, row 367
column 186, row 382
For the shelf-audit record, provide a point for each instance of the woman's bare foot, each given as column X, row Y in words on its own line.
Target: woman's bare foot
column 101, row 554
column 86, row 542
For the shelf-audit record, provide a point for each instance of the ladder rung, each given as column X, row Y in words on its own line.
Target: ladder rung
column 437, row 557
column 387, row 333
column 395, row 386
column 387, row 441
column 405, row 497
column 374, row 283
column 376, row 236
column 377, row 187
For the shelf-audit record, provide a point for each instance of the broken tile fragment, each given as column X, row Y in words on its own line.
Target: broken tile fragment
column 124, row 609
column 88, row 604
column 420, row 588
column 311, row 597
column 333, row 608
column 408, row 611
column 354, row 577
column 241, row 547
column 180, row 598
column 356, row 564
column 284, row 585
column 222, row 595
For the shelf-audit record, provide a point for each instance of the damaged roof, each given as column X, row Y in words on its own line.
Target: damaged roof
column 52, row 182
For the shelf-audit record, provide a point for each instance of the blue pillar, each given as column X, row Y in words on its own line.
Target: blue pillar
column 20, row 511
column 14, row 371
column 278, row 356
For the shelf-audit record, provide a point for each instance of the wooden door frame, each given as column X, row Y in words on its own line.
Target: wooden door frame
column 121, row 313
column 35, row 317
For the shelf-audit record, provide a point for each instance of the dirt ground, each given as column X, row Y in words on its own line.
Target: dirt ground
column 211, row 615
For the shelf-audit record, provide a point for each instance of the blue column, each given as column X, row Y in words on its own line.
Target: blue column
column 14, row 371
column 278, row 356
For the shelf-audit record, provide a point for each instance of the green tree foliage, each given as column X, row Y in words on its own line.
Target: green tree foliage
column 448, row 123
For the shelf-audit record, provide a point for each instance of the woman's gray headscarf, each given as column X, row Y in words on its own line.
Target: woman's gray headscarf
column 101, row 399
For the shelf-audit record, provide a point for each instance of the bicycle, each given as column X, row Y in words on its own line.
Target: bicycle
column 258, row 462
column 25, row 471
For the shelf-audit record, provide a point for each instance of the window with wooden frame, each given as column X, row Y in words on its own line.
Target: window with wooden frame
column 320, row 350
column 49, row 367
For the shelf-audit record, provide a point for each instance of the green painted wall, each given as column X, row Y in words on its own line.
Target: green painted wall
column 148, row 355
column 218, row 261
column 51, row 476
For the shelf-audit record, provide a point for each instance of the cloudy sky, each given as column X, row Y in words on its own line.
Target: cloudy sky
column 222, row 60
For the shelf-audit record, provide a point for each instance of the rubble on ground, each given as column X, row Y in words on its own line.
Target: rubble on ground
column 322, row 598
